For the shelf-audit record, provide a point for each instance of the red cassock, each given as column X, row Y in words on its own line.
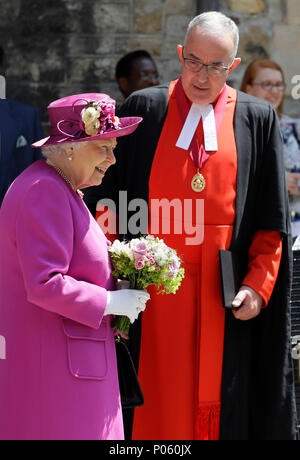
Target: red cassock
column 182, row 336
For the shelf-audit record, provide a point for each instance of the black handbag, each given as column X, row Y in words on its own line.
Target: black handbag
column 130, row 390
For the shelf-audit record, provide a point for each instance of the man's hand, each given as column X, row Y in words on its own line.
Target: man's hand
column 250, row 303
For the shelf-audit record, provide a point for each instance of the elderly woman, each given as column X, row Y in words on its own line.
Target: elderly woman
column 57, row 295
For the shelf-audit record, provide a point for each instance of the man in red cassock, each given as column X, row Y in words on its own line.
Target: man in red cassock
column 207, row 373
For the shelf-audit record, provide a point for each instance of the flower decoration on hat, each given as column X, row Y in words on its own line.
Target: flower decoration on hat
column 84, row 117
column 99, row 117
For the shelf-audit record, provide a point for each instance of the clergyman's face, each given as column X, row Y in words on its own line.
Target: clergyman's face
column 200, row 87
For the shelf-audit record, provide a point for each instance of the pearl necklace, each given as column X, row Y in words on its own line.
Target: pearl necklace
column 60, row 173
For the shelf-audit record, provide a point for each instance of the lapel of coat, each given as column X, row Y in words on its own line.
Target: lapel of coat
column 244, row 149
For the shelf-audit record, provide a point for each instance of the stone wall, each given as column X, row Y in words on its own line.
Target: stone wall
column 59, row 47
column 269, row 29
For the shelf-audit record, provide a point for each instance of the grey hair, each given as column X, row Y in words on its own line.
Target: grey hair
column 57, row 150
column 216, row 22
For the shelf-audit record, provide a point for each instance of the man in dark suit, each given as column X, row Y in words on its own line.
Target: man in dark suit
column 20, row 126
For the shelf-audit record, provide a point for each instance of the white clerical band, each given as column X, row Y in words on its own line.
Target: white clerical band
column 191, row 123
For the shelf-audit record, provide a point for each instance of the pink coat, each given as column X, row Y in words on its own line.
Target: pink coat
column 59, row 379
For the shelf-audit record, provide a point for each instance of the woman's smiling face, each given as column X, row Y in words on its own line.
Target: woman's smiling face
column 91, row 161
column 269, row 85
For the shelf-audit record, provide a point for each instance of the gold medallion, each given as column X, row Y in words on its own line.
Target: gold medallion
column 198, row 182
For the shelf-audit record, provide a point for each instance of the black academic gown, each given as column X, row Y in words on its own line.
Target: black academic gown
column 258, row 401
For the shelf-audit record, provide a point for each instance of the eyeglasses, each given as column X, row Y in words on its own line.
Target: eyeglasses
column 268, row 86
column 197, row 66
column 149, row 76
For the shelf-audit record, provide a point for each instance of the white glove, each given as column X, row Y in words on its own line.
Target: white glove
column 127, row 302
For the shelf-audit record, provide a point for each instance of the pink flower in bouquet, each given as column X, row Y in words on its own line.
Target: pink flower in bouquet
column 150, row 259
column 139, row 249
column 139, row 263
column 173, row 269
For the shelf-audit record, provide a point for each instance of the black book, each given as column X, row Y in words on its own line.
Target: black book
column 233, row 269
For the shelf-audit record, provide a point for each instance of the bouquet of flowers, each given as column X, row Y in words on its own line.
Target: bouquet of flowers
column 144, row 262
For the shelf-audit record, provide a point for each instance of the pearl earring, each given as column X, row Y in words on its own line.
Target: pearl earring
column 70, row 158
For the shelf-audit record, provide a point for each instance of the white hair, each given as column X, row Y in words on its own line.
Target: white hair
column 216, row 23
column 57, row 150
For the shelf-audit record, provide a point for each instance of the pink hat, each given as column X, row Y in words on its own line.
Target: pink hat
column 85, row 117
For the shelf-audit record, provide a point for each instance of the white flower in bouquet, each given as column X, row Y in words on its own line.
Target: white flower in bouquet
column 119, row 248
